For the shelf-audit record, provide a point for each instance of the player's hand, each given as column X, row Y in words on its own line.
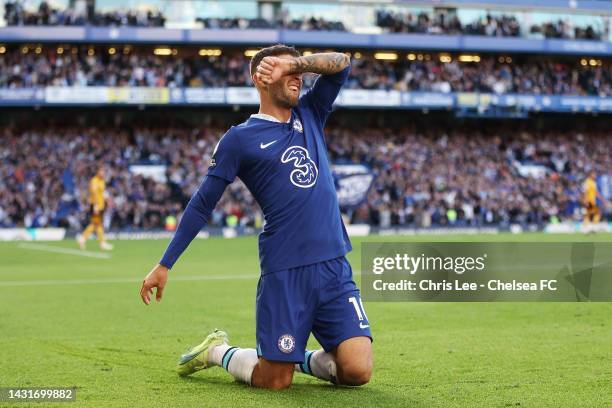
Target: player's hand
column 271, row 69
column 157, row 278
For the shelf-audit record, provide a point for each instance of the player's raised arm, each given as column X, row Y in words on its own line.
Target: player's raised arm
column 325, row 63
column 334, row 68
column 271, row 69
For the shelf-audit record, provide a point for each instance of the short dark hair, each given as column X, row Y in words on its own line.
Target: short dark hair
column 277, row 49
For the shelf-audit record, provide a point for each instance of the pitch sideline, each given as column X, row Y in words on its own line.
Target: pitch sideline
column 62, row 250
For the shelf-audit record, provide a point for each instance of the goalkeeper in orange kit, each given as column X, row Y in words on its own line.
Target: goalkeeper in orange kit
column 592, row 213
column 97, row 185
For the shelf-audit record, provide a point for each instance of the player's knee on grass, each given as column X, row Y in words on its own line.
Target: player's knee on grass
column 272, row 375
column 354, row 374
column 354, row 361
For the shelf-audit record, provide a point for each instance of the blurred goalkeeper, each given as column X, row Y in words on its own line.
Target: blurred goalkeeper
column 97, row 204
column 306, row 284
column 591, row 200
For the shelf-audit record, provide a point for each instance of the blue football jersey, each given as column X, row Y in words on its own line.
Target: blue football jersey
column 286, row 168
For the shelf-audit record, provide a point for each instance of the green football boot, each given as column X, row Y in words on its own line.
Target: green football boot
column 196, row 358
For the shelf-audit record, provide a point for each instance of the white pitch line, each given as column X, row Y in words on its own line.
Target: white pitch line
column 61, row 250
column 61, row 282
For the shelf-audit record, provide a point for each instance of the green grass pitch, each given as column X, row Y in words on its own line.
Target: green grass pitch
column 70, row 320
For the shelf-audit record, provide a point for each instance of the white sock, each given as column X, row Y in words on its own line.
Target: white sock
column 239, row 362
column 318, row 364
column 215, row 354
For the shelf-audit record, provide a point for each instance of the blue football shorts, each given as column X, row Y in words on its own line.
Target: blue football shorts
column 321, row 299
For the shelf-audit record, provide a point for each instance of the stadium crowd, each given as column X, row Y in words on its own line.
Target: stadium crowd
column 423, row 22
column 433, row 177
column 488, row 25
column 84, row 66
column 53, row 190
column 15, row 14
column 491, row 74
column 309, row 24
column 429, row 23
column 563, row 29
column 463, row 176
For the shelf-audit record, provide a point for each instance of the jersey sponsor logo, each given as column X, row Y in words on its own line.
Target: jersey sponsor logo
column 305, row 173
column 286, row 343
column 264, row 145
column 297, row 125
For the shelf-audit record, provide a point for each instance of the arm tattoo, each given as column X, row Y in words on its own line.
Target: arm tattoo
column 322, row 63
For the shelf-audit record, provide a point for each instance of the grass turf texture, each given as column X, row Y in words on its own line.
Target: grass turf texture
column 69, row 320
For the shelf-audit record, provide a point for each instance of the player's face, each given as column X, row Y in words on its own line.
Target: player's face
column 286, row 91
column 101, row 173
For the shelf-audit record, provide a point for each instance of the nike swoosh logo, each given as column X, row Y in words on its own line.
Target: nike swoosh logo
column 264, row 145
column 363, row 326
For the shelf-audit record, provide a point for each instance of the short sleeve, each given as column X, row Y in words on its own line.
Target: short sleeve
column 226, row 157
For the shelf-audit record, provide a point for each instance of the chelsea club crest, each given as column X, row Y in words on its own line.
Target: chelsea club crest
column 286, row 343
column 297, row 125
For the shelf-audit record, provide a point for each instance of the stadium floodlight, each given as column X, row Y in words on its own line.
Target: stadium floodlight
column 469, row 58
column 385, row 56
column 2, row 49
column 162, row 51
column 209, row 52
column 250, row 53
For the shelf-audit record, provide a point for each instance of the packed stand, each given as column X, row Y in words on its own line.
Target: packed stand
column 432, row 177
column 308, row 24
column 489, row 25
column 490, row 75
column 564, row 30
column 82, row 67
column 467, row 177
column 429, row 23
column 16, row 15
column 52, row 191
